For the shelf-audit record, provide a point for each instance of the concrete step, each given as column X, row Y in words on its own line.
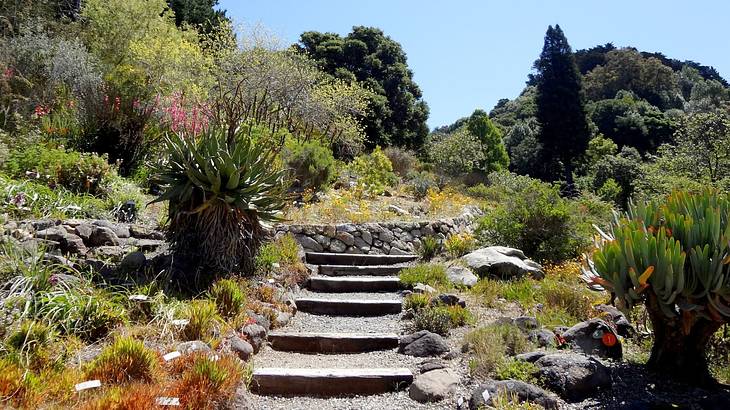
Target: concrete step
column 344, row 284
column 332, row 342
column 354, row 270
column 320, row 258
column 329, row 382
column 349, row 307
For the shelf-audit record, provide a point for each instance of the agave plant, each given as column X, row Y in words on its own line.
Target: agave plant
column 672, row 255
column 219, row 191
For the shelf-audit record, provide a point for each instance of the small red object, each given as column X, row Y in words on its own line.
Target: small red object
column 609, row 339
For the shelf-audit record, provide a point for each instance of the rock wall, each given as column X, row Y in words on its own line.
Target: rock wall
column 384, row 238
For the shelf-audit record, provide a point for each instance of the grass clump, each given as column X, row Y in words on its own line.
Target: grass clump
column 208, row 383
column 433, row 320
column 430, row 247
column 458, row 316
column 517, row 370
column 202, row 316
column 429, row 274
column 229, row 297
column 458, row 245
column 133, row 396
column 124, row 361
column 416, row 301
column 30, row 336
column 490, row 345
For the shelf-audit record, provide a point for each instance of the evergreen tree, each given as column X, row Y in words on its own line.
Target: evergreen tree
column 560, row 107
column 495, row 154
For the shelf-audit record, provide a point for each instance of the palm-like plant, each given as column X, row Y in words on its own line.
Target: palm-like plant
column 673, row 255
column 219, row 191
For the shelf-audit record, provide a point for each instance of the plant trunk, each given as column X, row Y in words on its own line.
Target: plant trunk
column 680, row 344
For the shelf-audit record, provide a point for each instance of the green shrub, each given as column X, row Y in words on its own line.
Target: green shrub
column 416, row 301
column 419, row 183
column 458, row 245
column 489, row 345
column 228, row 296
column 283, row 250
column 458, row 316
column 75, row 171
column 374, row 172
column 430, row 247
column 219, row 190
column 25, row 198
column 403, row 161
column 517, row 370
column 429, row 274
column 312, row 165
column 202, row 317
column 30, row 336
column 89, row 315
column 534, row 218
column 125, row 360
column 433, row 320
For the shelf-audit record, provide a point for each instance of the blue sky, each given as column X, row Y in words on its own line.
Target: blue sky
column 467, row 54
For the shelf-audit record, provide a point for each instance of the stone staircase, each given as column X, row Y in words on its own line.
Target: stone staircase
column 348, row 286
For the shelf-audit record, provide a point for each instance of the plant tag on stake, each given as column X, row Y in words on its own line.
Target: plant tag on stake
column 180, row 322
column 138, row 298
column 171, row 355
column 167, row 401
column 91, row 384
column 486, row 396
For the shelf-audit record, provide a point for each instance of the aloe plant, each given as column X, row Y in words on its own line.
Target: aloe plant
column 219, row 191
column 672, row 255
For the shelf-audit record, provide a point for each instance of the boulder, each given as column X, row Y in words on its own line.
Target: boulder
column 53, row 233
column 502, row 262
column 432, row 386
column 573, row 376
column 282, row 318
column 73, row 244
column 431, row 364
column 193, row 346
column 397, row 210
column 309, row 244
column 448, row 300
column 255, row 334
column 133, row 261
column 522, row 391
column 260, row 320
column 531, row 357
column 338, row 246
column 42, row 224
column 526, row 323
column 612, row 315
column 421, row 288
column 84, row 230
column 542, row 337
column 113, row 252
column 461, row 275
column 241, row 348
column 101, row 236
column 594, row 337
column 346, row 238
column 423, row 344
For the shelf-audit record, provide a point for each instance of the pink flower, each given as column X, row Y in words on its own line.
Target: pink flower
column 8, row 72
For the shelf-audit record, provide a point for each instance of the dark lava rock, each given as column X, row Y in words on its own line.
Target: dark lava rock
column 423, row 344
column 573, row 376
column 484, row 394
column 590, row 337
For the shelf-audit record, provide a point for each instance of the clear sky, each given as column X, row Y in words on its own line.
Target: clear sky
column 467, row 54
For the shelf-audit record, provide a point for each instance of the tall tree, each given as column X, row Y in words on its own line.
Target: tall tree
column 397, row 114
column 201, row 14
column 495, row 154
column 560, row 107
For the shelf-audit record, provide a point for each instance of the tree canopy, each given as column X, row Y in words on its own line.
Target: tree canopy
column 397, row 113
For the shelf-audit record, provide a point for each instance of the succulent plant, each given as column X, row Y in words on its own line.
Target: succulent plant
column 219, row 191
column 674, row 256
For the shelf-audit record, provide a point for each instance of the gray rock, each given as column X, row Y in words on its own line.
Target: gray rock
column 433, row 386
column 255, row 334
column 309, row 243
column 396, row 251
column 523, row 392
column 84, row 230
column 259, row 319
column 367, row 237
column 322, row 240
column 573, row 376
column 431, row 364
column 421, row 288
column 360, row 243
column 587, row 337
column 542, row 337
column 144, row 232
column 241, row 348
column 73, row 244
column 337, row 245
column 148, row 245
column 448, row 299
column 531, row 357
column 461, row 275
column 502, row 262
column 397, row 210
column 42, row 224
column 133, row 261
column 282, row 318
column 345, row 237
column 113, row 252
column 621, row 323
column 193, row 346
column 526, row 323
column 386, row 236
column 423, row 344
column 53, row 233
column 102, row 236
column 349, row 228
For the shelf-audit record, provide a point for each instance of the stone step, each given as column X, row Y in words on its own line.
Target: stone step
column 332, row 342
column 354, row 270
column 349, row 307
column 320, row 258
column 344, row 284
column 329, row 382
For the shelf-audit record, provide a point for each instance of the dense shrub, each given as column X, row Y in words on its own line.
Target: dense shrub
column 460, row 244
column 434, row 320
column 124, row 361
column 420, row 182
column 532, row 216
column 374, row 172
column 430, row 247
column 229, row 297
column 202, row 317
column 89, row 315
column 456, row 153
column 416, row 301
column 490, row 345
column 75, row 171
column 312, row 165
column 429, row 274
column 208, row 383
column 403, row 161
column 282, row 251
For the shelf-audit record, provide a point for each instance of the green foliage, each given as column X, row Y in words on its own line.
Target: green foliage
column 560, row 110
column 202, row 316
column 30, row 336
column 702, row 148
column 613, row 177
column 374, row 172
column 404, row 161
column 88, row 314
column 284, row 250
column 432, row 319
column 219, row 190
column 489, row 345
column 75, row 171
column 420, row 182
column 312, row 164
column 229, row 297
column 125, row 360
column 397, row 114
column 517, row 370
column 429, row 274
column 495, row 154
column 201, row 14
column 456, row 153
column 458, row 316
column 532, row 216
column 416, row 301
column 458, row 245
column 523, row 147
column 430, row 247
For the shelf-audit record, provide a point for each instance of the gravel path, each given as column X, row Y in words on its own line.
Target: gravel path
column 306, row 322
column 305, row 293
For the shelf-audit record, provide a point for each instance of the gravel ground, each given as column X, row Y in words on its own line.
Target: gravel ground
column 306, row 322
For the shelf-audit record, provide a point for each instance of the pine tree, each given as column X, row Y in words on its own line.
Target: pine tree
column 560, row 107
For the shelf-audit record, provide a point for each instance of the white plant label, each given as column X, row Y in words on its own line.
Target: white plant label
column 138, row 298
column 171, row 355
column 486, row 396
column 180, row 322
column 167, row 401
column 91, row 384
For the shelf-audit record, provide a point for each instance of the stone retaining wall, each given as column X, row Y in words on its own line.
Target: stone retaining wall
column 383, row 238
